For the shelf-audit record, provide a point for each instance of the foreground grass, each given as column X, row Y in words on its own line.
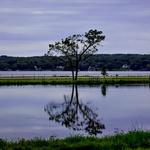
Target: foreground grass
column 68, row 80
column 136, row 140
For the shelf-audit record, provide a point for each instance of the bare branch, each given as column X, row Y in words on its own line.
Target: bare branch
column 76, row 46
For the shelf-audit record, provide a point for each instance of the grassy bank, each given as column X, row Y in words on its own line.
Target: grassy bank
column 68, row 80
column 138, row 140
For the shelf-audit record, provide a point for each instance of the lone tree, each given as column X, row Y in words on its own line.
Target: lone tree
column 77, row 48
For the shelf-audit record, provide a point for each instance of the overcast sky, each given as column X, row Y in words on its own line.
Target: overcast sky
column 28, row 26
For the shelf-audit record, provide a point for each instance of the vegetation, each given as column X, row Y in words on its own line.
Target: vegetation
column 95, row 62
column 135, row 140
column 103, row 71
column 77, row 48
column 68, row 80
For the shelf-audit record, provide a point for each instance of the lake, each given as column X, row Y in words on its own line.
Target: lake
column 61, row 111
column 68, row 73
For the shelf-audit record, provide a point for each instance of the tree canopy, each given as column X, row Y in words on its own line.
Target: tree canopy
column 77, row 48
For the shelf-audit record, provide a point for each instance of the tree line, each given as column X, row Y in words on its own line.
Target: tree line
column 96, row 62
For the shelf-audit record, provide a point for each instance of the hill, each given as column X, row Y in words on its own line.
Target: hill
column 136, row 62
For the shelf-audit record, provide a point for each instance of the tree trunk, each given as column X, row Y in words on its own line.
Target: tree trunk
column 76, row 67
column 76, row 74
column 73, row 78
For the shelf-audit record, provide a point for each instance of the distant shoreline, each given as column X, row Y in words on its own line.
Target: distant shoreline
column 112, row 62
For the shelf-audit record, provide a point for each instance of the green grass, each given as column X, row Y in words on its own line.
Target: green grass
column 135, row 140
column 68, row 80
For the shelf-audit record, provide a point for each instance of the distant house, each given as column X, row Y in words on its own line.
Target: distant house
column 91, row 68
column 37, row 68
column 60, row 68
column 125, row 67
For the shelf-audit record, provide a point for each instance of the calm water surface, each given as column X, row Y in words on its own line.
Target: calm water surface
column 44, row 111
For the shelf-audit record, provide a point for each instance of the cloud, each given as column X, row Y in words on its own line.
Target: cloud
column 30, row 48
column 125, row 24
column 30, row 11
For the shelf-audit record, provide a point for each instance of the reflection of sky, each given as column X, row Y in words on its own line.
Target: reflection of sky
column 27, row 26
column 22, row 108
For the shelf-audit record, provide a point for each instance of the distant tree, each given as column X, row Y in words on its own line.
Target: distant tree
column 77, row 48
column 104, row 71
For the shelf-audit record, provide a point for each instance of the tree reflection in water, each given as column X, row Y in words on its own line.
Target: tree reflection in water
column 73, row 114
column 103, row 89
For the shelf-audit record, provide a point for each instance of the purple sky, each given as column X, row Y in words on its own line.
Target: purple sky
column 27, row 26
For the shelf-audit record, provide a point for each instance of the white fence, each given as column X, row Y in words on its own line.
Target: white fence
column 68, row 73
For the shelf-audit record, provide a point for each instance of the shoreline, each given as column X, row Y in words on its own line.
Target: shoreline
column 85, row 80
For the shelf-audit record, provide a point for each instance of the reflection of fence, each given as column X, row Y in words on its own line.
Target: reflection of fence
column 92, row 77
column 23, row 75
